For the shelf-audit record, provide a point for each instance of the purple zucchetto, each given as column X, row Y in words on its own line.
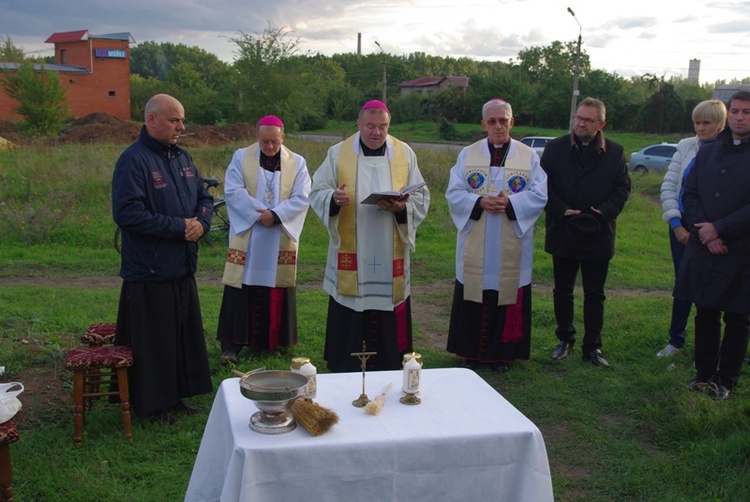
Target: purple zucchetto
column 377, row 104
column 271, row 120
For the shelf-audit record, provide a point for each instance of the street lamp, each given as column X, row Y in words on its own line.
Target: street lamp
column 385, row 79
column 574, row 99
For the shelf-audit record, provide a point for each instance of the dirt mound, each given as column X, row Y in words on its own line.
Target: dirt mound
column 100, row 127
column 239, row 131
column 121, row 133
column 10, row 131
column 200, row 135
column 94, row 118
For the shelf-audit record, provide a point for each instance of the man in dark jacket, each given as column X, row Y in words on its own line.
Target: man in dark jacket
column 163, row 208
column 588, row 185
column 715, row 270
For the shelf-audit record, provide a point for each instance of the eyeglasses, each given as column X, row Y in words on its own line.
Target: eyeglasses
column 585, row 120
column 492, row 122
column 269, row 142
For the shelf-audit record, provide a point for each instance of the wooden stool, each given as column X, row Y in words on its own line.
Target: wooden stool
column 98, row 334
column 88, row 365
column 8, row 434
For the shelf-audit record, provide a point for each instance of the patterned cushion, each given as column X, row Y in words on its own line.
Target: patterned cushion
column 109, row 356
column 101, row 333
column 8, row 432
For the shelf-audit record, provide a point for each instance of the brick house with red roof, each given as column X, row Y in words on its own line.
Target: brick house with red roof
column 433, row 84
column 95, row 70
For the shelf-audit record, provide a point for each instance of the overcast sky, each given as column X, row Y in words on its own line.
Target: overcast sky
column 627, row 37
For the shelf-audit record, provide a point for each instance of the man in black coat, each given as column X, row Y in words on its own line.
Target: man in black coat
column 588, row 185
column 163, row 208
column 715, row 269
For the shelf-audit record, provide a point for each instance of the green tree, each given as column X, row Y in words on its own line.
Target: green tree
column 664, row 111
column 185, row 84
column 41, row 99
column 184, row 70
column 141, row 90
column 274, row 78
column 9, row 52
column 550, row 70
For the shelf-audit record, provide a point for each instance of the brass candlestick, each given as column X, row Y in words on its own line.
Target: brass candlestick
column 363, row 356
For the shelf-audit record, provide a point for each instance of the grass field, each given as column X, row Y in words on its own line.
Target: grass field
column 633, row 432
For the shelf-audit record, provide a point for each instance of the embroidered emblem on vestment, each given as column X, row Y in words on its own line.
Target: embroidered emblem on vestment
column 236, row 256
column 476, row 178
column 516, row 182
column 347, row 261
column 287, row 258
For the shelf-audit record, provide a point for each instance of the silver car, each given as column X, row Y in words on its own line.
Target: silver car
column 537, row 143
column 654, row 158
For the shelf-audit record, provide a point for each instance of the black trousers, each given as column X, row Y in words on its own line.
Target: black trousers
column 593, row 275
column 716, row 358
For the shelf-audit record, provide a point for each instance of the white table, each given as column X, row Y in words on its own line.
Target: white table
column 464, row 442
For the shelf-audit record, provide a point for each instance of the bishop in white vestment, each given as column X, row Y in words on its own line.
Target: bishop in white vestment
column 266, row 188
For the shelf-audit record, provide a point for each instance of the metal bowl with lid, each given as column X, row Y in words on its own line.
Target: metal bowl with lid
column 273, row 392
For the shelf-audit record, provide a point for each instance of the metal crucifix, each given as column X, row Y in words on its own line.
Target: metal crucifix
column 363, row 356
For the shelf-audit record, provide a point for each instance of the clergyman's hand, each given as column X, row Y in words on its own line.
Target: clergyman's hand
column 265, row 218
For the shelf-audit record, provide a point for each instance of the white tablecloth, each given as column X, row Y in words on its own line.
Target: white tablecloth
column 464, row 442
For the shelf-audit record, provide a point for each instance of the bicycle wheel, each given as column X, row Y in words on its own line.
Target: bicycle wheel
column 218, row 233
column 118, row 240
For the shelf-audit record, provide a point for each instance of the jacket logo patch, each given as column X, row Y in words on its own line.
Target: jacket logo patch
column 159, row 181
column 189, row 173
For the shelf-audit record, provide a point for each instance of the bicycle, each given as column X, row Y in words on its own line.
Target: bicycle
column 217, row 232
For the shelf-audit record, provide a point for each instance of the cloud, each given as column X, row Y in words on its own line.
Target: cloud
column 736, row 26
column 627, row 23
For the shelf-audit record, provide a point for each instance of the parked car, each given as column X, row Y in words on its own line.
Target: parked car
column 654, row 158
column 537, row 143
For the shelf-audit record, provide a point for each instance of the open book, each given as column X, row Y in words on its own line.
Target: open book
column 374, row 197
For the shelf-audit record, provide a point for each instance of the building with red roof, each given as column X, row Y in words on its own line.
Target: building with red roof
column 94, row 69
column 433, row 84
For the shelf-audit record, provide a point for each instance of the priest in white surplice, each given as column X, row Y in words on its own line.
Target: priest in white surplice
column 266, row 188
column 496, row 192
column 367, row 272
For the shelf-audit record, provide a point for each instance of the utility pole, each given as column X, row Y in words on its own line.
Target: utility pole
column 385, row 77
column 576, row 72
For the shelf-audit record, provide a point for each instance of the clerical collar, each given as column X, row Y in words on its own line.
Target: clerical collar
column 498, row 154
column 369, row 152
column 271, row 163
column 599, row 141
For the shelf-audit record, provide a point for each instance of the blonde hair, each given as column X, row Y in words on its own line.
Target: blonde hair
column 713, row 110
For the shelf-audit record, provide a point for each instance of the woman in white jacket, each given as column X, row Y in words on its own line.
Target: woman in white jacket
column 709, row 119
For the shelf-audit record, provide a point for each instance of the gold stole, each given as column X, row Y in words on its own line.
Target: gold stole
column 517, row 170
column 347, row 253
column 286, row 268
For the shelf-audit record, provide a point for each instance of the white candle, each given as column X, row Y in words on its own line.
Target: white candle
column 412, row 374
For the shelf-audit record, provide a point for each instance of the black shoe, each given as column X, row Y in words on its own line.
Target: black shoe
column 187, row 409
column 163, row 418
column 562, row 350
column 500, row 367
column 595, row 357
column 470, row 364
column 228, row 357
column 717, row 392
column 697, row 386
